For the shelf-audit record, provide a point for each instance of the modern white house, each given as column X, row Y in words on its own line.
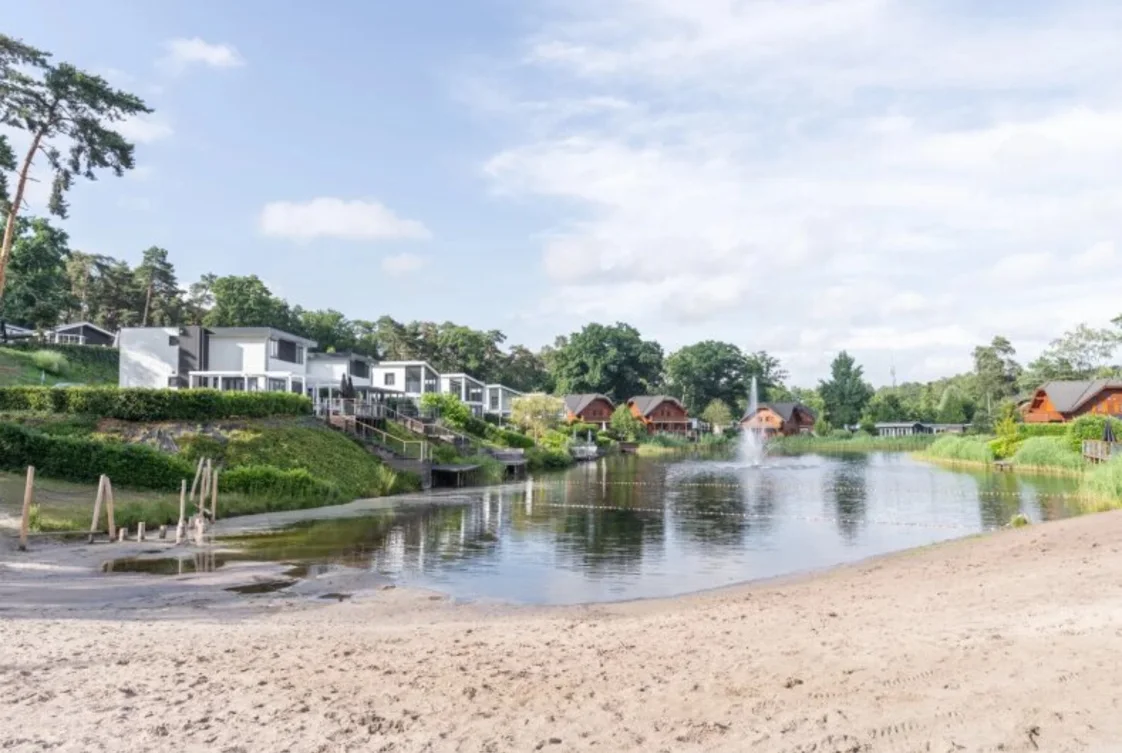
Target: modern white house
column 466, row 387
column 411, row 378
column 499, row 398
column 326, row 371
column 252, row 359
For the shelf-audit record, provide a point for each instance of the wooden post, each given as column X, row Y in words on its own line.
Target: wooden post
column 109, row 507
column 28, row 496
column 198, row 475
column 181, row 528
column 97, row 506
column 204, row 487
column 214, row 495
column 121, row 534
column 163, row 532
column 140, row 531
column 199, row 530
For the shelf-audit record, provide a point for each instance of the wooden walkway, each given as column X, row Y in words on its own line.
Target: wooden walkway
column 1098, row 451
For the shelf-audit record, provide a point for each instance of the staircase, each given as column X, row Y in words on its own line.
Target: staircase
column 401, row 455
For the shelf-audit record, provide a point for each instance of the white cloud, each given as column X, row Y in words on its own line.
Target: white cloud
column 399, row 265
column 328, row 217
column 182, row 53
column 144, row 129
column 878, row 174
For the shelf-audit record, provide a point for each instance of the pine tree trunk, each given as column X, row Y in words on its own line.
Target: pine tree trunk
column 13, row 210
column 147, row 303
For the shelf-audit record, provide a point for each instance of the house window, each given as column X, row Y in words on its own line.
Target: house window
column 276, row 385
column 299, row 354
column 173, row 341
column 494, row 401
column 360, row 369
column 388, row 380
column 274, row 348
column 297, row 386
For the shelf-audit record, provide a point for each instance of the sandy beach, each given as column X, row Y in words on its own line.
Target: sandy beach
column 1009, row 642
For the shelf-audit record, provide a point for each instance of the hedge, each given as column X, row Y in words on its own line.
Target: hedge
column 153, row 405
column 84, row 460
column 86, row 354
column 1042, row 430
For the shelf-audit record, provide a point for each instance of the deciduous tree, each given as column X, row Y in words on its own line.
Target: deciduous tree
column 625, row 425
column 718, row 414
column 614, row 360
column 707, row 371
column 536, row 413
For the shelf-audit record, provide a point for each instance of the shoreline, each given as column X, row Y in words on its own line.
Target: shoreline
column 972, row 642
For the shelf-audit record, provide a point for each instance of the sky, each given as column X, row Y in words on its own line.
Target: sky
column 902, row 179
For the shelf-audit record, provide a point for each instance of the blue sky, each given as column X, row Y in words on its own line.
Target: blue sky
column 896, row 178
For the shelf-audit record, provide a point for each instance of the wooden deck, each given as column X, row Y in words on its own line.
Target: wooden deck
column 1098, row 451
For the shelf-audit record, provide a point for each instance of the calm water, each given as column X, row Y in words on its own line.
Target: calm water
column 631, row 528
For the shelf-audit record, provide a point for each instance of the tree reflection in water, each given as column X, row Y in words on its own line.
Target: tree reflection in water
column 847, row 490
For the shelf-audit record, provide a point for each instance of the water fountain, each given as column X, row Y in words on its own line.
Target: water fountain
column 751, row 449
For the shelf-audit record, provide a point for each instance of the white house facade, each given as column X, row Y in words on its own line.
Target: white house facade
column 499, row 399
column 411, row 378
column 252, row 359
column 470, row 390
column 326, row 370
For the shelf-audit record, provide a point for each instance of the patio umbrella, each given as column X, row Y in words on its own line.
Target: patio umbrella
column 1108, row 431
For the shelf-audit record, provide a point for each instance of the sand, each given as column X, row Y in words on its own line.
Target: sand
column 1011, row 642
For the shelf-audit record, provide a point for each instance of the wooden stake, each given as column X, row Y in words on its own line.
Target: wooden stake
column 214, row 496
column 28, row 496
column 121, row 534
column 163, row 532
column 140, row 531
column 109, row 507
column 198, row 475
column 204, row 487
column 97, row 506
column 181, row 529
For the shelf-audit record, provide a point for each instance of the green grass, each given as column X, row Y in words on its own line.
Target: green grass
column 1048, row 453
column 1102, row 486
column 47, row 365
column 858, row 443
column 962, row 449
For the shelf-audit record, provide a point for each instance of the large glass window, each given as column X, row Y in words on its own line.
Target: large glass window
column 413, row 379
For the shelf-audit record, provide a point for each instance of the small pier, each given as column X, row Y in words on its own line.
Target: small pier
column 1099, row 451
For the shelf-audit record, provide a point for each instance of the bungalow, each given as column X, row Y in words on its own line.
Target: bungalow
column 500, row 399
column 412, row 378
column 1058, row 402
column 903, row 428
column 79, row 333
column 589, row 409
column 787, row 419
column 466, row 387
column 661, row 414
column 248, row 359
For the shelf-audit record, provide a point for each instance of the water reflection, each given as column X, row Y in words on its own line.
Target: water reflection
column 634, row 528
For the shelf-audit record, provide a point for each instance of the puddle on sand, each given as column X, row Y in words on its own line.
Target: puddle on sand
column 163, row 565
column 264, row 587
column 337, row 597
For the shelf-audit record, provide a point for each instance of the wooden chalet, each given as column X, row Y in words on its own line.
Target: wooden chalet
column 784, row 419
column 589, row 409
column 661, row 414
column 1059, row 402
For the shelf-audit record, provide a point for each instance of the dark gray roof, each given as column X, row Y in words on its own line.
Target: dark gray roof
column 647, row 403
column 1067, row 397
column 576, row 403
column 783, row 410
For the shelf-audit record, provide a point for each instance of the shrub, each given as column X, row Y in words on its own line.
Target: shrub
column 78, row 459
column 1088, row 427
column 50, row 361
column 840, row 434
column 154, row 405
column 625, row 425
column 556, row 441
column 1048, row 452
column 1020, row 520
column 447, row 407
column 969, row 449
column 539, row 459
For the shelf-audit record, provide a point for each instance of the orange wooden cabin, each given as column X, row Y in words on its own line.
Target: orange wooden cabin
column 589, row 409
column 661, row 414
column 1058, row 402
column 780, row 418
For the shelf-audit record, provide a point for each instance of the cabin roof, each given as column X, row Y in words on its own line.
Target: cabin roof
column 270, row 332
column 576, row 403
column 647, row 403
column 79, row 325
column 1068, row 396
column 786, row 411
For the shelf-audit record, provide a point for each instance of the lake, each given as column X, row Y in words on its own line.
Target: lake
column 630, row 527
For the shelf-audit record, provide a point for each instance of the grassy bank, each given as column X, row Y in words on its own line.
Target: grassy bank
column 51, row 364
column 280, row 463
column 854, row 443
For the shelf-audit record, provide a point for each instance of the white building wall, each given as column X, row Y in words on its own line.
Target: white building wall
column 398, row 373
column 326, row 371
column 147, row 357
